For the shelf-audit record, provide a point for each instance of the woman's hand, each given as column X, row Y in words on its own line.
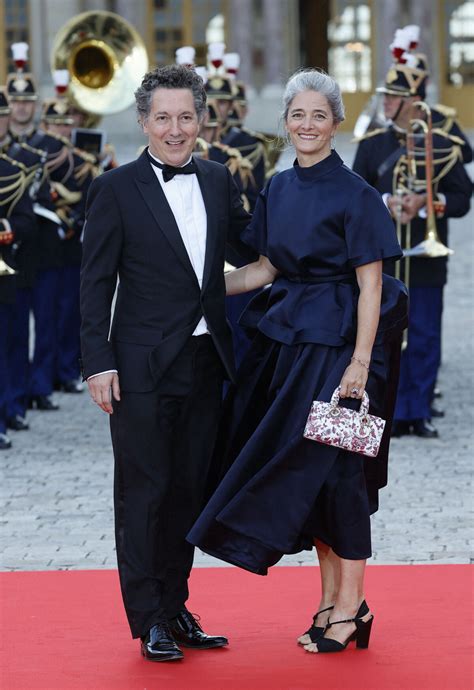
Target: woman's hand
column 354, row 381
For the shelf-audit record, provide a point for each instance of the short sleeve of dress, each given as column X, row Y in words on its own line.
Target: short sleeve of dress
column 369, row 229
column 255, row 234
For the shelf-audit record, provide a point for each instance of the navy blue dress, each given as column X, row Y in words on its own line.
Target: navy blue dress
column 278, row 490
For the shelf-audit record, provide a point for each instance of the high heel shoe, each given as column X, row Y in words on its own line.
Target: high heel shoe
column 361, row 634
column 315, row 631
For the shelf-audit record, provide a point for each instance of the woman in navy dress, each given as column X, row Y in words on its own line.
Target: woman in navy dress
column 330, row 317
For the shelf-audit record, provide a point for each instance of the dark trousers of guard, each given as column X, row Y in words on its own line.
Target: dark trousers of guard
column 163, row 442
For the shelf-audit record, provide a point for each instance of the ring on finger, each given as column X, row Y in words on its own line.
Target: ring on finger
column 354, row 391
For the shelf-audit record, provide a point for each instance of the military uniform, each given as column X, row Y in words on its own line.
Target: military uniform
column 69, row 197
column 16, row 225
column 382, row 160
column 55, row 159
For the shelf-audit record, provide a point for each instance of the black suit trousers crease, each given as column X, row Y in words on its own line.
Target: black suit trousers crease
column 163, row 442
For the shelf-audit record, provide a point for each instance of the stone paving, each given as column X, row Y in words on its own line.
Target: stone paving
column 56, row 481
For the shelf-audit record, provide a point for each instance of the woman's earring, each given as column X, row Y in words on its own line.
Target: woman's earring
column 333, row 141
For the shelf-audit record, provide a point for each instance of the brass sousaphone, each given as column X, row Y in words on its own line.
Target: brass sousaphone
column 106, row 59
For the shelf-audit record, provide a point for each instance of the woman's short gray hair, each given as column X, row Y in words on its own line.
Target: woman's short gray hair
column 314, row 80
column 170, row 77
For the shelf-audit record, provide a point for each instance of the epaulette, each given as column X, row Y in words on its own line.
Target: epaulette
column 59, row 137
column 447, row 135
column 446, row 110
column 369, row 135
column 228, row 150
column 257, row 135
column 86, row 157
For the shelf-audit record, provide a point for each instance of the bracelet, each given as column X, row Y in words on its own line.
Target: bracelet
column 360, row 361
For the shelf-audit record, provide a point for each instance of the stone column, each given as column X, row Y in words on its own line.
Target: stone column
column 423, row 13
column 240, row 36
column 46, row 18
column 135, row 13
column 274, row 43
column 388, row 16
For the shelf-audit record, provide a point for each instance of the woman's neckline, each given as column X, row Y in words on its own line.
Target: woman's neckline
column 320, row 168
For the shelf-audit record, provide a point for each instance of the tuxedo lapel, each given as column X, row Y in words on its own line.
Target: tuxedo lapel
column 208, row 195
column 155, row 199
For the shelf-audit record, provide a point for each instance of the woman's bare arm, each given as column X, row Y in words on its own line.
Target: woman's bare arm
column 250, row 277
column 369, row 279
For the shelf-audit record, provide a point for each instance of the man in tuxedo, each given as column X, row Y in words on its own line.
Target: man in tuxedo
column 160, row 226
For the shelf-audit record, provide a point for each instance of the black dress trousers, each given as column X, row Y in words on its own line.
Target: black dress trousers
column 160, row 480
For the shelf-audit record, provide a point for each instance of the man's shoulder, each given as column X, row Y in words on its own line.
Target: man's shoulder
column 372, row 138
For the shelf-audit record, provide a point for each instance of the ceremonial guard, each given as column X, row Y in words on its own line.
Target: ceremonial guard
column 16, row 227
column 54, row 157
column 69, row 196
column 223, row 90
column 31, row 162
column 443, row 117
column 419, row 171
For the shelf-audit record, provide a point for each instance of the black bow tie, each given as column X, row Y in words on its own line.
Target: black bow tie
column 169, row 171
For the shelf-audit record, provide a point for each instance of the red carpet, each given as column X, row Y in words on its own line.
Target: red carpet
column 67, row 630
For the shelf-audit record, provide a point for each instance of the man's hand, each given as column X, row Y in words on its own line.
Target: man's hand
column 395, row 206
column 406, row 208
column 412, row 204
column 102, row 388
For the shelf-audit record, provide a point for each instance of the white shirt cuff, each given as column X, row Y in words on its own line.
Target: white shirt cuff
column 385, row 198
column 109, row 371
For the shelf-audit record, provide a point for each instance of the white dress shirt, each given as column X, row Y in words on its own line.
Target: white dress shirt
column 184, row 196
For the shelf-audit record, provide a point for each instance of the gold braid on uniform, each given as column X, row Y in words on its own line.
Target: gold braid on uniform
column 201, row 149
column 56, row 160
column 406, row 182
column 369, row 135
column 237, row 164
column 14, row 184
column 87, row 167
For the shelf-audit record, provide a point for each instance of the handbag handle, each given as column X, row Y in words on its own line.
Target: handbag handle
column 364, row 403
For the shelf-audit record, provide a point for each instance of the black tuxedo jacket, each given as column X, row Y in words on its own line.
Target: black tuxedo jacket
column 131, row 234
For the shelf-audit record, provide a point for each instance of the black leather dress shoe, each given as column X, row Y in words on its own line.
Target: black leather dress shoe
column 159, row 645
column 5, row 442
column 188, row 633
column 71, row 387
column 424, row 428
column 42, row 402
column 400, row 428
column 17, row 423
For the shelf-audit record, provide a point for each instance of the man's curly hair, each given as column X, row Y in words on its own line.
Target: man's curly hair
column 170, row 77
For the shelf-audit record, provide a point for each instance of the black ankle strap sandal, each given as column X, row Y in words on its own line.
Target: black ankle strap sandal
column 361, row 634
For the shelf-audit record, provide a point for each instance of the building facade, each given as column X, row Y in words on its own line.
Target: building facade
column 348, row 38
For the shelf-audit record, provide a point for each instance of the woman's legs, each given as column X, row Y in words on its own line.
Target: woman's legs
column 349, row 595
column 330, row 572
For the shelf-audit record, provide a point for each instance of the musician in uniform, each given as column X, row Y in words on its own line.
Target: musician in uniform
column 16, row 224
column 55, row 158
column 383, row 161
column 443, row 117
column 32, row 162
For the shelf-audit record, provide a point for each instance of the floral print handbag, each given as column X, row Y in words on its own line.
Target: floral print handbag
column 358, row 432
